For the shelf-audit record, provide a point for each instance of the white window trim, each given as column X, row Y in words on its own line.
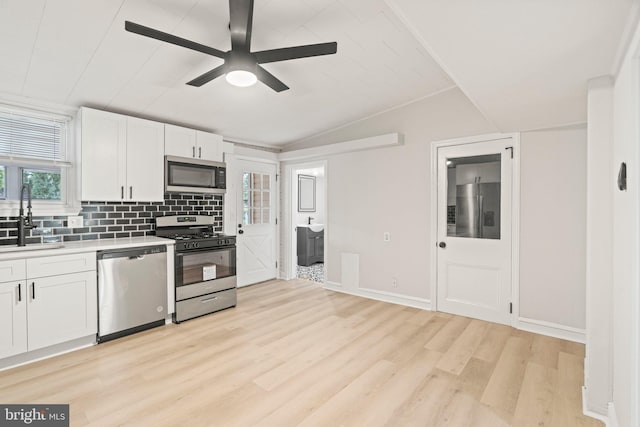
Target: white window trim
column 70, row 205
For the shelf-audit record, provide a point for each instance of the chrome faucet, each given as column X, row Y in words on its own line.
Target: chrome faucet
column 24, row 223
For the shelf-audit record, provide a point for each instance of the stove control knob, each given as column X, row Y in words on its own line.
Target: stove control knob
column 196, row 245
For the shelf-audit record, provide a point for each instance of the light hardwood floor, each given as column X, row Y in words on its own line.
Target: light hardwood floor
column 292, row 353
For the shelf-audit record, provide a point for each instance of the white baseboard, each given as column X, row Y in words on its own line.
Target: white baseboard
column 531, row 325
column 612, row 416
column 552, row 329
column 414, row 302
column 588, row 413
column 47, row 352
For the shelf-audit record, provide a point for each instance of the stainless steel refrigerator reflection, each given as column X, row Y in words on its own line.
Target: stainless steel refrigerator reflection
column 478, row 210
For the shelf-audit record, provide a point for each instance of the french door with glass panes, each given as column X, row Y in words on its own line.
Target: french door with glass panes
column 256, row 225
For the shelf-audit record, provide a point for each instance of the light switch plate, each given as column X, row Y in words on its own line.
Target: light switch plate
column 74, row 221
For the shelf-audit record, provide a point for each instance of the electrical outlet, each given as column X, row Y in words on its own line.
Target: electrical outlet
column 386, row 236
column 74, row 221
column 394, row 282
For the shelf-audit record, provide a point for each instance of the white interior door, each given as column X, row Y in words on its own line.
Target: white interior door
column 474, row 230
column 256, row 222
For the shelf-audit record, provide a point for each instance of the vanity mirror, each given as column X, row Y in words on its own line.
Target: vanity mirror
column 306, row 193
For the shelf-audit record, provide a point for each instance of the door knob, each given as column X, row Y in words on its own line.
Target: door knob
column 442, row 245
column 240, row 231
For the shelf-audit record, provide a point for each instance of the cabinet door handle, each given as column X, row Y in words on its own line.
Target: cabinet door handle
column 131, row 192
column 19, row 292
column 122, row 192
column 199, row 152
column 194, row 151
column 33, row 290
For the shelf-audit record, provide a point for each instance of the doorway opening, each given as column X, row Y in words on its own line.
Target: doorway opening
column 308, row 221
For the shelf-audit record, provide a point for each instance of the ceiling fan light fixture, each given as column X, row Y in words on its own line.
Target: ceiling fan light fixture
column 241, row 78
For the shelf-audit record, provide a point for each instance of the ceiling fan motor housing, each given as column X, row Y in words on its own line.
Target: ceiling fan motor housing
column 244, row 61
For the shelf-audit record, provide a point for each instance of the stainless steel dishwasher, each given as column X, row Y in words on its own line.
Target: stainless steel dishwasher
column 132, row 290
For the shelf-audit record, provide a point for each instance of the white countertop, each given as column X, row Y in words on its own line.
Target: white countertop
column 47, row 249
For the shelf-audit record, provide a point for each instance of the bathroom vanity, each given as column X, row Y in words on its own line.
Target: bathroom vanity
column 310, row 244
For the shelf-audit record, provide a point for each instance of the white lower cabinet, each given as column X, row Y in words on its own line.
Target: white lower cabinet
column 13, row 318
column 55, row 302
column 61, row 308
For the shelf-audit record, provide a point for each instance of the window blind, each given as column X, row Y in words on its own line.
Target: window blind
column 30, row 137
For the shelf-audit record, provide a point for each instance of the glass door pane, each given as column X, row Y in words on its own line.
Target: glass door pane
column 256, row 196
column 473, row 196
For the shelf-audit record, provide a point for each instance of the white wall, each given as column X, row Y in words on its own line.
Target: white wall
column 626, row 253
column 552, row 226
column 598, row 387
column 372, row 192
column 387, row 190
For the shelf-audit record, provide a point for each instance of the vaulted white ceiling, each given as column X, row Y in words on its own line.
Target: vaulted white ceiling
column 523, row 63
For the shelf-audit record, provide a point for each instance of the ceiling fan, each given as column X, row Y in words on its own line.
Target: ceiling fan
column 241, row 66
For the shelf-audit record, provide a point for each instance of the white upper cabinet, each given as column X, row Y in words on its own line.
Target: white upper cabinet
column 122, row 157
column 191, row 143
column 209, row 146
column 179, row 141
column 145, row 160
column 104, row 141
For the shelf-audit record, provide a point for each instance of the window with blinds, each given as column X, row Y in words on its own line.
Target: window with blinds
column 32, row 151
column 31, row 138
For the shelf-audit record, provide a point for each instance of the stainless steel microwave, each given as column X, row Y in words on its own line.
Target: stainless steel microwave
column 185, row 175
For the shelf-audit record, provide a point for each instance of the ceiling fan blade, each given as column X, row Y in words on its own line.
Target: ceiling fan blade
column 207, row 77
column 286, row 53
column 240, row 23
column 270, row 80
column 170, row 38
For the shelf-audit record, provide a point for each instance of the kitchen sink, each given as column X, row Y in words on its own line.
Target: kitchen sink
column 32, row 247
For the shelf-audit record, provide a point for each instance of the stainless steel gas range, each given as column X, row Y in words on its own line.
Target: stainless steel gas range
column 205, row 265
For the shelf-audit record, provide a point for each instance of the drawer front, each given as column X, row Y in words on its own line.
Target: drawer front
column 61, row 264
column 13, row 270
column 205, row 304
column 201, row 288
